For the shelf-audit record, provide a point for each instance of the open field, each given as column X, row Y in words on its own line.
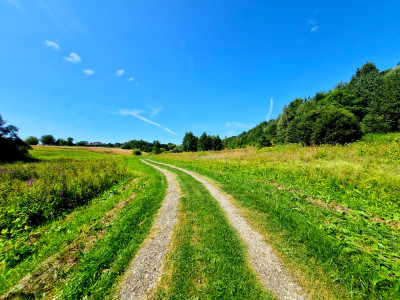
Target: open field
column 83, row 247
column 331, row 212
column 72, row 222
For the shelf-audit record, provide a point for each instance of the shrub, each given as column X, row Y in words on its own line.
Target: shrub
column 32, row 140
column 336, row 126
column 136, row 152
column 12, row 148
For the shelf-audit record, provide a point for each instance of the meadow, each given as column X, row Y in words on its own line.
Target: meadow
column 331, row 212
column 72, row 221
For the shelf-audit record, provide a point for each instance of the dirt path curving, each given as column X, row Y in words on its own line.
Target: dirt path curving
column 271, row 273
column 146, row 268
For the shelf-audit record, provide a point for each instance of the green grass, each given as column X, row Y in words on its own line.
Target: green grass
column 64, row 153
column 208, row 260
column 87, row 249
column 100, row 268
column 329, row 208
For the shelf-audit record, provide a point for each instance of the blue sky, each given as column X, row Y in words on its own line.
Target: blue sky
column 112, row 71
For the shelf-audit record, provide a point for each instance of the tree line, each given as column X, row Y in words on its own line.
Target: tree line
column 368, row 103
column 192, row 143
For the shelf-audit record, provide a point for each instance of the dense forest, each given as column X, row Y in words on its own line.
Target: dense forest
column 368, row 103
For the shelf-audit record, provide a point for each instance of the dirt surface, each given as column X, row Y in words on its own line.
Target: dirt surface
column 105, row 150
column 267, row 265
column 147, row 266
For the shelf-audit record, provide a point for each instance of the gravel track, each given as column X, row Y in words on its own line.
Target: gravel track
column 147, row 266
column 267, row 265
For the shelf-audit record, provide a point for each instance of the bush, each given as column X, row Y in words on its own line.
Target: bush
column 47, row 139
column 31, row 140
column 12, row 148
column 136, row 152
column 336, row 126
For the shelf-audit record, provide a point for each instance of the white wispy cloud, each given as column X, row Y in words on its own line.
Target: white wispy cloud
column 131, row 79
column 120, row 72
column 52, row 45
column 17, row 5
column 136, row 114
column 155, row 111
column 88, row 71
column 236, row 125
column 314, row 29
column 271, row 106
column 73, row 58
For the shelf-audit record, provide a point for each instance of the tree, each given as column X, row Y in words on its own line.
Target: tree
column 204, row 143
column 284, row 119
column 300, row 130
column 71, row 141
column 384, row 112
column 189, row 143
column 47, row 140
column 156, row 147
column 32, row 140
column 216, row 143
column 12, row 148
column 62, row 142
column 336, row 126
column 366, row 84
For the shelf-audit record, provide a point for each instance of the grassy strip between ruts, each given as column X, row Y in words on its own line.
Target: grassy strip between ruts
column 63, row 246
column 310, row 236
column 208, row 258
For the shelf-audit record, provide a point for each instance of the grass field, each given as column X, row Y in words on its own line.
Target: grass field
column 330, row 210
column 72, row 222
column 102, row 207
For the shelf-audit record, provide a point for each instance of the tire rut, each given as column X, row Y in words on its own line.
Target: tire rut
column 147, row 266
column 267, row 265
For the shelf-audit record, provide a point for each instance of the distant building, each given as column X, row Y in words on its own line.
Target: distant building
column 84, row 143
column 96, row 144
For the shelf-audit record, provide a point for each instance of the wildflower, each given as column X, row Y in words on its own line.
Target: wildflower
column 30, row 181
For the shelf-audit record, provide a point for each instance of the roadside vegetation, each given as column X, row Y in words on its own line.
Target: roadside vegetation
column 329, row 209
column 72, row 230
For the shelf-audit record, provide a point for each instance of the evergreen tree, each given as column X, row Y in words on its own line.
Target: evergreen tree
column 189, row 143
column 216, row 143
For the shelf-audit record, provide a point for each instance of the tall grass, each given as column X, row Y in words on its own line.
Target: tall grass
column 32, row 194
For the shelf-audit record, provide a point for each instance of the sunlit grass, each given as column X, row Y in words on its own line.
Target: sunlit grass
column 338, row 205
column 208, row 260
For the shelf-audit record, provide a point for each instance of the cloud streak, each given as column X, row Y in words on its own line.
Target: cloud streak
column 271, row 106
column 88, row 71
column 120, row 72
column 155, row 111
column 131, row 79
column 314, row 29
column 52, row 45
column 73, row 58
column 236, row 125
column 136, row 114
